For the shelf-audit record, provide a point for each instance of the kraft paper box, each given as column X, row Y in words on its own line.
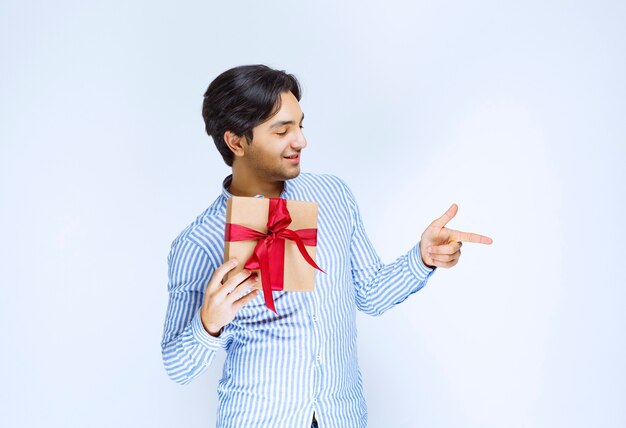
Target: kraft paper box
column 253, row 213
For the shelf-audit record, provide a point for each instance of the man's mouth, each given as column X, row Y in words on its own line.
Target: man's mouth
column 294, row 156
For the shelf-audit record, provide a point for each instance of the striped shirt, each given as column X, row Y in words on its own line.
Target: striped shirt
column 281, row 368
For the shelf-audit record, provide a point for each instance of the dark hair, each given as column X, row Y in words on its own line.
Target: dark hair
column 240, row 99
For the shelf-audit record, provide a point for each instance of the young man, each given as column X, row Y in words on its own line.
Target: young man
column 298, row 366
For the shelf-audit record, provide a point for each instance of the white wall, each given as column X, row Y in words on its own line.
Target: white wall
column 513, row 111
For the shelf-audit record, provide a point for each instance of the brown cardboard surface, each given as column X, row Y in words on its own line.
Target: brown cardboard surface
column 253, row 213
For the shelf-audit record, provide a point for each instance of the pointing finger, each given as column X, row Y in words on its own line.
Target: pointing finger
column 470, row 237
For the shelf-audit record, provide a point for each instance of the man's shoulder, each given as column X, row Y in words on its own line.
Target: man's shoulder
column 206, row 230
column 321, row 181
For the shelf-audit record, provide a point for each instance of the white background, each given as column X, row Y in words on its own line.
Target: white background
column 513, row 110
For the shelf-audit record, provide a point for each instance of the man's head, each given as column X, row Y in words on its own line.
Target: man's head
column 253, row 115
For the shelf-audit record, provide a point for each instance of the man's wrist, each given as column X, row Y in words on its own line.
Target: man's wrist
column 426, row 264
column 417, row 263
column 422, row 253
column 215, row 332
column 200, row 333
column 212, row 329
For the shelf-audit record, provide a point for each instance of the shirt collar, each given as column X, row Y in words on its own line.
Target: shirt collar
column 229, row 179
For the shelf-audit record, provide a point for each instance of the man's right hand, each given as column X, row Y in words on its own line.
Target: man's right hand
column 223, row 301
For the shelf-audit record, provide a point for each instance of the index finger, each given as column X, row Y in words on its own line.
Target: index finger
column 470, row 237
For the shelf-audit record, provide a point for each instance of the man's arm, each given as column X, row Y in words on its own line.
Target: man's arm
column 187, row 348
column 378, row 286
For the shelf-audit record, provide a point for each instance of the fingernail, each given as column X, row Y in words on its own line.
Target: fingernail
column 430, row 249
column 234, row 261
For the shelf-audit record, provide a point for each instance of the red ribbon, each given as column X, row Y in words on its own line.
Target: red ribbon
column 269, row 253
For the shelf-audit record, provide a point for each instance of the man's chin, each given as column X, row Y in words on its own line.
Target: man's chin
column 292, row 173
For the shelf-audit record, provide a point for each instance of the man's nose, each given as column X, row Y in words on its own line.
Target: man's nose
column 299, row 142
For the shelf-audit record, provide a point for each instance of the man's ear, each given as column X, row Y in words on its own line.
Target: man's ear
column 235, row 143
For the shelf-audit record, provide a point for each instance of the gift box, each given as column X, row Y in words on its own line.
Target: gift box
column 276, row 238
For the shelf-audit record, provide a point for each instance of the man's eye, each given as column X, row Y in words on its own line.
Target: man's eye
column 283, row 133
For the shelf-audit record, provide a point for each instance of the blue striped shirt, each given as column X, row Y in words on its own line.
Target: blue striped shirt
column 281, row 368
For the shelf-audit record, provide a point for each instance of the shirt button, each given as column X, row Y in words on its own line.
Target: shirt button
column 314, row 318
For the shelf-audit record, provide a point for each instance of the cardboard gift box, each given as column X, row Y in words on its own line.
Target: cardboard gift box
column 275, row 238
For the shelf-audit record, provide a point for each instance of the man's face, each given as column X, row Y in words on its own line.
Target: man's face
column 277, row 144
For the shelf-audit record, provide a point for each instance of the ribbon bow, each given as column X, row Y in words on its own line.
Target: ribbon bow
column 269, row 252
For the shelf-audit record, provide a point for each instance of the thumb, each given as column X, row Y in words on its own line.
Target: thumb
column 446, row 217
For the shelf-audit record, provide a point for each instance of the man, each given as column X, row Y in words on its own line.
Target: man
column 298, row 366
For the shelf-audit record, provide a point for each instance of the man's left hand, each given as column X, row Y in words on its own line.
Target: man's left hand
column 445, row 244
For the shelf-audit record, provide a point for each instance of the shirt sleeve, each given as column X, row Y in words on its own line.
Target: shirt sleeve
column 381, row 286
column 187, row 348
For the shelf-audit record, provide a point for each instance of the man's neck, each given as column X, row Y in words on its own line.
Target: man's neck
column 243, row 184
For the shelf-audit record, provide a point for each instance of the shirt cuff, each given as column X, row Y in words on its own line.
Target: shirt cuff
column 202, row 336
column 417, row 266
